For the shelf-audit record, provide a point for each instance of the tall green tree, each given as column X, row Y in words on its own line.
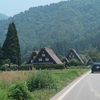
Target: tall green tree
column 1, row 56
column 11, row 47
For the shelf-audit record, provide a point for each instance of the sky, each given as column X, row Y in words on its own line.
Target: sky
column 12, row 7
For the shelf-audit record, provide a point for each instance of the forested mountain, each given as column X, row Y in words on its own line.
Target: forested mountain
column 64, row 25
column 3, row 16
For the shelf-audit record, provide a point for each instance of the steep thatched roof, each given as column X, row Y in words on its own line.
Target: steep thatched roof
column 51, row 53
column 73, row 51
column 65, row 59
column 30, row 57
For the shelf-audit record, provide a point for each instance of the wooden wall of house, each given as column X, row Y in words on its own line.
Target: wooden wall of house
column 44, row 57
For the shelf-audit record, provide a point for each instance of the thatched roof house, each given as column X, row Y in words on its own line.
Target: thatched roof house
column 46, row 56
column 32, row 57
column 72, row 54
column 65, row 60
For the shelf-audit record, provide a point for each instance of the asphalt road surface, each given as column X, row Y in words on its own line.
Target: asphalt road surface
column 87, row 88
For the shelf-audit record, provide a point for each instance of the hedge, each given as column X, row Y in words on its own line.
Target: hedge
column 40, row 66
column 49, row 66
column 25, row 67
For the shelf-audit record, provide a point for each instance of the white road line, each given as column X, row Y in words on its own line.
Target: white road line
column 67, row 91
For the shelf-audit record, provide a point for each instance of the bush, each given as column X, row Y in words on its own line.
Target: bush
column 19, row 91
column 41, row 66
column 9, row 67
column 25, row 67
column 40, row 80
column 49, row 66
column 74, row 62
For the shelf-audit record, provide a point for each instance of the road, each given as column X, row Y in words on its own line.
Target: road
column 86, row 88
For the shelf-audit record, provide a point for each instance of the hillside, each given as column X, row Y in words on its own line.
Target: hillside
column 3, row 16
column 68, row 24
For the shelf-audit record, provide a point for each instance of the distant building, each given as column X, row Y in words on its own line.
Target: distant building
column 46, row 56
column 65, row 61
column 32, row 57
column 72, row 54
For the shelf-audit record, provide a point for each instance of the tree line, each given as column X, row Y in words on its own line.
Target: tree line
column 68, row 24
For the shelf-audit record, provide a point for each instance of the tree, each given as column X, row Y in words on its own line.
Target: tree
column 93, row 53
column 1, row 56
column 11, row 47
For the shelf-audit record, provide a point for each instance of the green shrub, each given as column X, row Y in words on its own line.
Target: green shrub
column 74, row 62
column 25, row 67
column 40, row 80
column 41, row 66
column 9, row 67
column 19, row 91
column 48, row 66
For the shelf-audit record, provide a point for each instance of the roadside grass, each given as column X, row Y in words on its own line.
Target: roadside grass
column 7, row 78
column 62, row 78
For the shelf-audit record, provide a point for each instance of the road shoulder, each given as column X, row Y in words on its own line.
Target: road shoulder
column 60, row 95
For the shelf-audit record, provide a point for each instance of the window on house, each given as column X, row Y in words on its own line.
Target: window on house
column 71, row 53
column 64, row 62
column 40, row 59
column 43, row 55
column 46, row 59
column 31, row 61
column 69, row 56
column 34, row 57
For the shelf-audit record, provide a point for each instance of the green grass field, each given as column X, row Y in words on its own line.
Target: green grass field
column 62, row 78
